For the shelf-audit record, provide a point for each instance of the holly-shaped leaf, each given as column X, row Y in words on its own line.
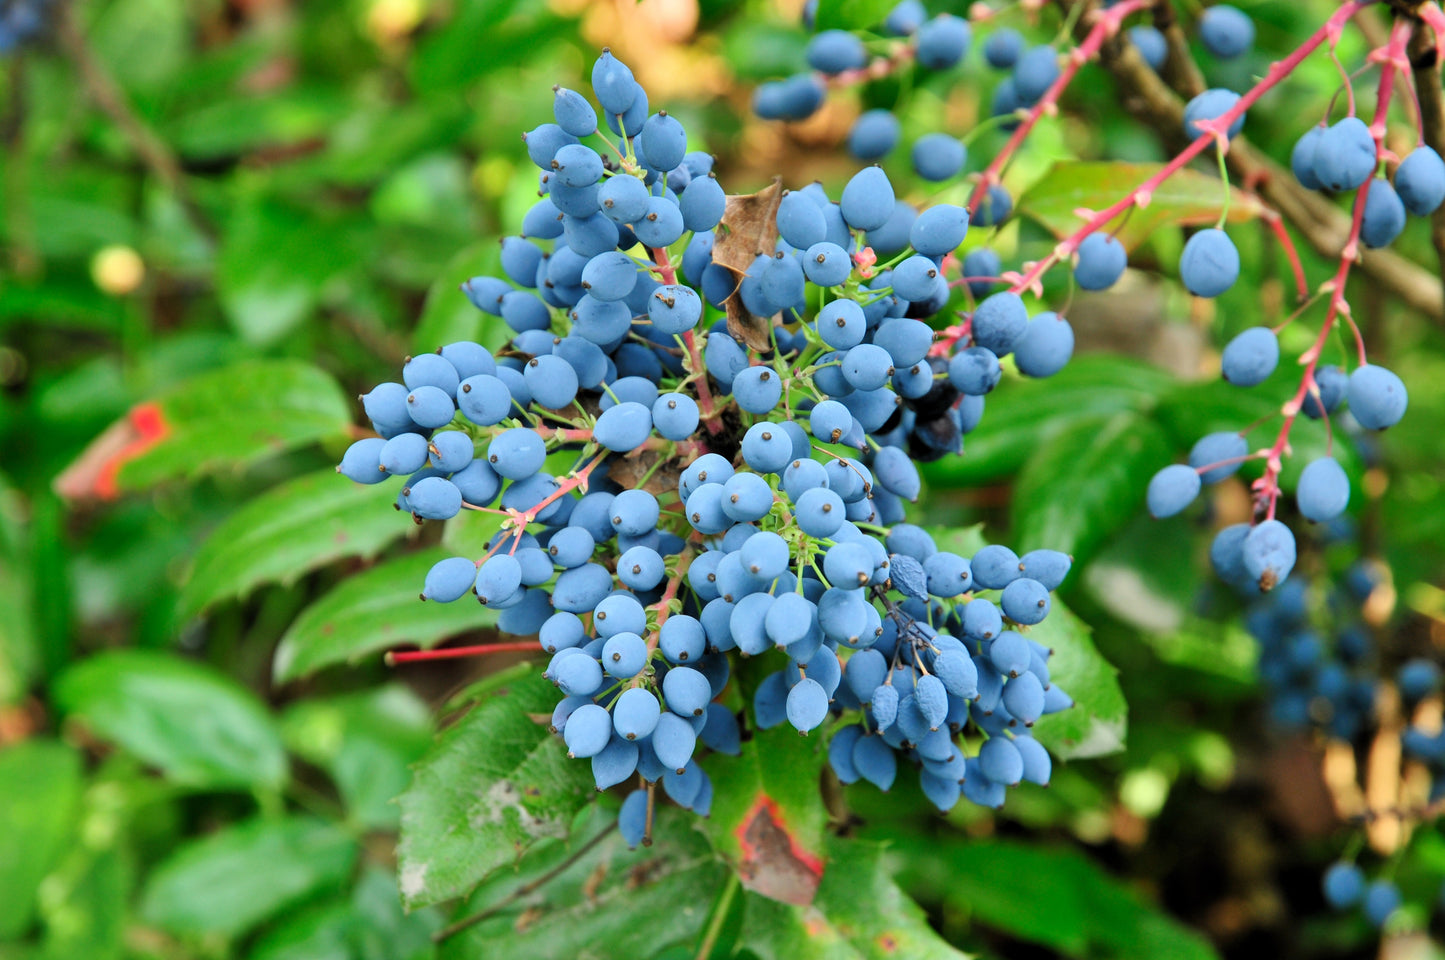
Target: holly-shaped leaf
column 494, row 783
column 858, row 914
column 767, row 816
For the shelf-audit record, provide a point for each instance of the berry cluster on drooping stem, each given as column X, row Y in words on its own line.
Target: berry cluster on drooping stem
column 1266, row 489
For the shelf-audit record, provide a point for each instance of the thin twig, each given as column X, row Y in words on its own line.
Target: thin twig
column 109, row 97
column 1425, row 64
column 452, row 929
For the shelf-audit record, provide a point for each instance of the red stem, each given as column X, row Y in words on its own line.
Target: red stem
column 455, row 653
column 1140, row 194
column 1106, row 26
column 1276, row 225
column 706, row 408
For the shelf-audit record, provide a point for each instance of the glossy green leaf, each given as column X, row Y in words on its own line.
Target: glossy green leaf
column 1024, row 415
column 1060, row 899
column 40, row 788
column 1187, row 198
column 374, row 611
column 230, row 881
column 1087, row 483
column 289, row 531
column 235, row 416
column 494, row 783
column 367, row 742
column 767, row 818
column 200, row 727
column 647, row 899
column 859, row 914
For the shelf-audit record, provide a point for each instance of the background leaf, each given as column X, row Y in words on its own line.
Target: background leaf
column 766, row 816
column 40, row 788
column 1055, row 897
column 200, row 727
column 367, row 742
column 230, row 881
column 373, row 611
column 1083, row 485
column 289, row 530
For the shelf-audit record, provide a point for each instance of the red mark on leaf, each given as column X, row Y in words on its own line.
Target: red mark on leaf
column 773, row 864
column 94, row 473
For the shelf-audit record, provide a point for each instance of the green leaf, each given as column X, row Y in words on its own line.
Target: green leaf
column 374, row 611
column 767, row 816
column 19, row 641
column 39, row 796
column 272, row 265
column 859, row 913
column 493, row 784
column 225, row 418
column 1031, row 412
column 290, row 530
column 232, row 880
column 1081, row 487
column 649, row 898
column 852, row 14
column 370, row 925
column 200, row 727
column 1187, row 198
column 1098, row 721
column 366, row 741
column 1062, row 900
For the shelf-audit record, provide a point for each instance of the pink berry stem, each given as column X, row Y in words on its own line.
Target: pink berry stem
column 1392, row 60
column 1104, row 27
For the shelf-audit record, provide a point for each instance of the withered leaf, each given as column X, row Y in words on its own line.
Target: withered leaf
column 749, row 227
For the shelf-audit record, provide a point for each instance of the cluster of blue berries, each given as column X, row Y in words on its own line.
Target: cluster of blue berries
column 1340, row 157
column 1318, row 679
column 1326, row 681
column 671, row 488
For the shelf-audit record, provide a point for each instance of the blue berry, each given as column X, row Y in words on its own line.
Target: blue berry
column 875, row 133
column 938, row 157
column 1046, row 346
column 1323, row 491
column 1226, row 31
column 1218, row 448
column 1210, row 263
column 1384, row 216
column 1250, row 357
column 942, row 42
column 1102, row 260
column 867, row 200
column 1344, row 155
column 1172, row 489
column 1377, row 397
column 1420, row 180
column 1210, row 105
